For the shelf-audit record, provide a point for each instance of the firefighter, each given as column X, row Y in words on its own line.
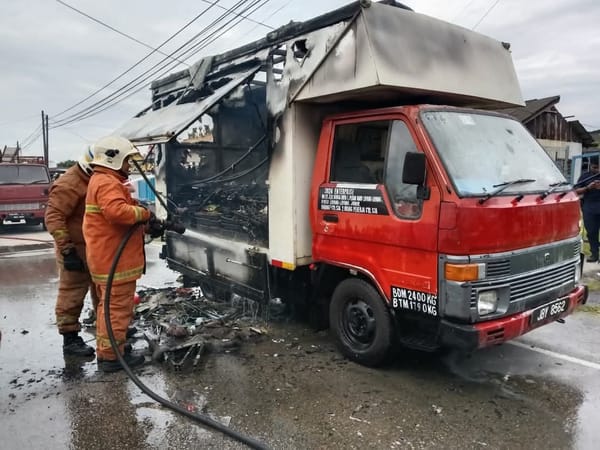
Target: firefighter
column 109, row 213
column 64, row 219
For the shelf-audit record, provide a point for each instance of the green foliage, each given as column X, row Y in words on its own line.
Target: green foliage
column 65, row 164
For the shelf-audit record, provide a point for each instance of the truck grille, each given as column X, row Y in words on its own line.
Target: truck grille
column 498, row 268
column 19, row 207
column 530, row 284
column 526, row 262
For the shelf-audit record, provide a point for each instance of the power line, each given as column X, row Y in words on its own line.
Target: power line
column 464, row 8
column 246, row 17
column 112, row 28
column 486, row 13
column 37, row 132
column 117, row 96
column 135, row 64
column 269, row 16
column 67, row 130
column 33, row 140
column 103, row 107
column 210, row 39
column 114, row 97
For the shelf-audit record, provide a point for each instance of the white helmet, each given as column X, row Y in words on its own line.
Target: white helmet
column 111, row 151
column 85, row 160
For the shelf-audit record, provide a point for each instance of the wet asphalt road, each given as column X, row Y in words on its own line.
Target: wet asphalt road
column 292, row 390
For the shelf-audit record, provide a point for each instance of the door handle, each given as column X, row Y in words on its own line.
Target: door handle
column 330, row 218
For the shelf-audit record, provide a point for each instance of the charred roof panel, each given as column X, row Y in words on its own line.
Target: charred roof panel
column 163, row 124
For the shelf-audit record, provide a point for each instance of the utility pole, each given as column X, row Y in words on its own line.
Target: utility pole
column 45, row 137
column 47, row 152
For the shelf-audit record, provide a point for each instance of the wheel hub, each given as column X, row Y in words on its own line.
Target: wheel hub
column 360, row 322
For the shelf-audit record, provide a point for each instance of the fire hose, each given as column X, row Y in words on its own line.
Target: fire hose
column 200, row 418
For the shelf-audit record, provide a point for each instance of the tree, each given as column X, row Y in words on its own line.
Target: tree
column 65, row 164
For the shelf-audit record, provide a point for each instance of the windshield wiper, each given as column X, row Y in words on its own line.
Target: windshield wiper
column 38, row 181
column 503, row 186
column 553, row 188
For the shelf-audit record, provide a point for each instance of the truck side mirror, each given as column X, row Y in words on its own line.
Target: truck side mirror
column 414, row 168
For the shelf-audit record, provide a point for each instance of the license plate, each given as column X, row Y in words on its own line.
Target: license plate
column 549, row 311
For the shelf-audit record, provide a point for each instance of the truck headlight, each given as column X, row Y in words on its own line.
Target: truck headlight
column 487, row 302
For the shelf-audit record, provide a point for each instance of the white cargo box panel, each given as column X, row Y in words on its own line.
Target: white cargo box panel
column 392, row 54
column 290, row 177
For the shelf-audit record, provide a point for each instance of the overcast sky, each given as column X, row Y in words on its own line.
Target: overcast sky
column 52, row 57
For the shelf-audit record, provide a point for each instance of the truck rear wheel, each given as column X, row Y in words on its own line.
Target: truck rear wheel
column 361, row 322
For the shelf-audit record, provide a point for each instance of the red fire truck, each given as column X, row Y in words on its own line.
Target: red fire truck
column 24, row 190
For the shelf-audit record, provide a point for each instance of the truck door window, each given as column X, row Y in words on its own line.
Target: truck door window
column 358, row 152
column 403, row 196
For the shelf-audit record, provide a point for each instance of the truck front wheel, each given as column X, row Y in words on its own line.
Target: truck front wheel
column 361, row 322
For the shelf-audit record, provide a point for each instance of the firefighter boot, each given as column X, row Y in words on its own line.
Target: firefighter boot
column 73, row 345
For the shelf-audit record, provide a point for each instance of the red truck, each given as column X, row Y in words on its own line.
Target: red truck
column 24, row 191
column 355, row 166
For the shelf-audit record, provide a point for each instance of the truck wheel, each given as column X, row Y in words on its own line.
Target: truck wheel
column 361, row 322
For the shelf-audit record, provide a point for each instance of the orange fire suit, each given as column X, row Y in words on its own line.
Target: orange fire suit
column 64, row 219
column 109, row 213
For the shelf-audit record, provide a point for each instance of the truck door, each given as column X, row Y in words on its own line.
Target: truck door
column 368, row 219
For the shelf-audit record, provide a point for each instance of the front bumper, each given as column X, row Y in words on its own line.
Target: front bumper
column 25, row 215
column 485, row 334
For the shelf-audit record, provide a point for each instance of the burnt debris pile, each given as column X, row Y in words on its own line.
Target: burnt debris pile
column 180, row 325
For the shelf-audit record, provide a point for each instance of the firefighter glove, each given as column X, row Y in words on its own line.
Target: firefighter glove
column 155, row 227
column 71, row 260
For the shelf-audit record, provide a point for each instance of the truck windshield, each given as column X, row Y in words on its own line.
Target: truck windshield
column 23, row 174
column 481, row 152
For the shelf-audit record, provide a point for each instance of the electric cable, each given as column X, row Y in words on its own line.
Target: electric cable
column 255, row 6
column 104, row 24
column 245, row 17
column 117, row 97
column 138, row 62
column 105, row 104
column 200, row 418
column 37, row 130
column 486, row 14
column 285, row 5
column 230, row 167
column 32, row 139
column 463, row 9
column 150, row 73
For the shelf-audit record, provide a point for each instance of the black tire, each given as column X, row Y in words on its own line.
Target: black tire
column 361, row 322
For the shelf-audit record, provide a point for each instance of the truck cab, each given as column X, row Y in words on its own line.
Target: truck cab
column 456, row 219
column 24, row 191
